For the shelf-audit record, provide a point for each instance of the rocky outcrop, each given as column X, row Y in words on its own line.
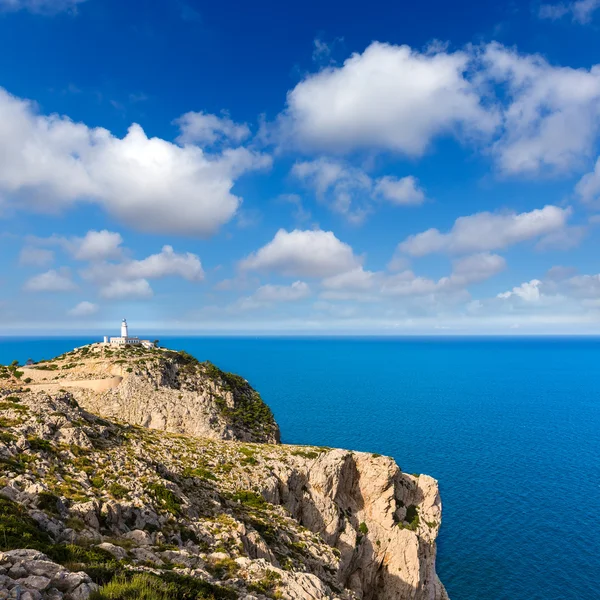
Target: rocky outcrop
column 109, row 501
column 160, row 389
column 31, row 575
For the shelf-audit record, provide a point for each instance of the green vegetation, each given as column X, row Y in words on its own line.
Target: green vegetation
column 118, row 491
column 18, row 529
column 249, row 498
column 169, row 586
column 199, row 472
column 363, row 528
column 224, row 568
column 249, row 410
column 40, row 445
column 267, row 584
column 166, row 499
column 310, row 454
column 48, row 502
column 411, row 520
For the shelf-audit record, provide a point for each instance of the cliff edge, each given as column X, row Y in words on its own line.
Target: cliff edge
column 94, row 508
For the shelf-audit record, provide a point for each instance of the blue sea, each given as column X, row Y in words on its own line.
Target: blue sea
column 509, row 426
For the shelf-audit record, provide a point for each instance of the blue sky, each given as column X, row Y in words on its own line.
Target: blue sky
column 334, row 168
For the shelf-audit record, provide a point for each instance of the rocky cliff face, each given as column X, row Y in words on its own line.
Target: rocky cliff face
column 91, row 507
column 159, row 389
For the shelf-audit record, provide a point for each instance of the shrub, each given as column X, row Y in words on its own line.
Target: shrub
column 249, row 498
column 411, row 520
column 169, row 586
column 48, row 502
column 166, row 499
column 199, row 472
column 118, row 491
column 18, row 529
column 224, row 568
column 363, row 528
column 40, row 445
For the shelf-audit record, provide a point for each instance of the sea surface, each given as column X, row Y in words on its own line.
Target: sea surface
column 510, row 427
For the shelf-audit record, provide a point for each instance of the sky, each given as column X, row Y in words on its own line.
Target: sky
column 325, row 168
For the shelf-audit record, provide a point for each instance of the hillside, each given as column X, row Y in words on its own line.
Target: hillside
column 105, row 509
column 160, row 389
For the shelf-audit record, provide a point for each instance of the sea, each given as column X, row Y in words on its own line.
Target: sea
column 509, row 426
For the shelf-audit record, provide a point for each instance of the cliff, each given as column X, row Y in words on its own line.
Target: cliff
column 91, row 507
column 160, row 389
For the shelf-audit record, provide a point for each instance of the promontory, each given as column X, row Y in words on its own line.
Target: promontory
column 140, row 472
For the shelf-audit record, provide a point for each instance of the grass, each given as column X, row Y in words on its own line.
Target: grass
column 118, row 491
column 249, row 498
column 169, row 586
column 165, row 498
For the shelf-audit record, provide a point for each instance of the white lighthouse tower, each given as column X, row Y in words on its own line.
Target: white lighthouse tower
column 125, row 340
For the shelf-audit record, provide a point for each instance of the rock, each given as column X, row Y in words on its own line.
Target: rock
column 37, row 582
column 141, row 538
column 82, row 592
column 116, row 551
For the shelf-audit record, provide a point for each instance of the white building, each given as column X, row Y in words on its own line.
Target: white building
column 126, row 340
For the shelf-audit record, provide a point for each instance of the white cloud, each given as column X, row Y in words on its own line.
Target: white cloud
column 49, row 162
column 130, row 277
column 465, row 271
column 39, row 257
column 582, row 10
column 282, row 293
column 350, row 191
column 487, row 231
column 356, row 280
column 51, row 281
column 97, row 245
column 39, row 6
column 346, row 190
column 119, row 288
column 389, row 97
column 403, row 191
column 528, row 291
column 552, row 114
column 303, row 254
column 588, row 187
column 84, row 309
column 206, row 129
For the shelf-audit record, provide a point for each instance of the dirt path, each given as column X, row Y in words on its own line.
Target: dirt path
column 97, row 385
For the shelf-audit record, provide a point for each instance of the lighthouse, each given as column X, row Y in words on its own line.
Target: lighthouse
column 125, row 340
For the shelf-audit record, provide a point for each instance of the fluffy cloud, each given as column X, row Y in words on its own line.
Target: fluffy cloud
column 119, row 288
column 49, row 162
column 404, row 191
column 552, row 114
column 301, row 253
column 588, row 187
column 130, row 277
column 389, row 97
column 487, row 231
column 350, row 191
column 465, row 271
column 97, row 245
column 582, row 10
column 206, row 129
column 356, row 280
column 38, row 257
column 528, row 291
column 282, row 293
column 84, row 309
column 39, row 6
column 51, row 281
column 359, row 284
